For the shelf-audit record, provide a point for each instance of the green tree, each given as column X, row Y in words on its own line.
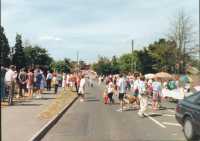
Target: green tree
column 103, row 66
column 163, row 54
column 37, row 56
column 126, row 61
column 4, row 48
column 19, row 56
column 115, row 69
column 64, row 65
column 82, row 64
column 146, row 61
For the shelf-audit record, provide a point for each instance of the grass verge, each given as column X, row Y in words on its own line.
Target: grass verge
column 61, row 100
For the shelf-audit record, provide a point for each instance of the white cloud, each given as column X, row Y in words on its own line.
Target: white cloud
column 93, row 27
column 51, row 38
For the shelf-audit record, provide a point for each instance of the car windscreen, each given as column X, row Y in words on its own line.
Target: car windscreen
column 193, row 98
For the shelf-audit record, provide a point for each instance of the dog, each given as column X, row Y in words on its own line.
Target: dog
column 130, row 100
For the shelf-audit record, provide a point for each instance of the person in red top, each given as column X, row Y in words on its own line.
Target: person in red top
column 30, row 81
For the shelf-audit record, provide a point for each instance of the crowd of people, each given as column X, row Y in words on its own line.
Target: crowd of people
column 32, row 82
column 132, row 90
column 136, row 90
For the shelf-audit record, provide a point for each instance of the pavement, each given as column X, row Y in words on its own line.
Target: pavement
column 21, row 121
column 95, row 121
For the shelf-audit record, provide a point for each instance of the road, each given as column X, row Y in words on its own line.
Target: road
column 92, row 120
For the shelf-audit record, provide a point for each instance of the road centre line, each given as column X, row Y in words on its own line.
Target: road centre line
column 173, row 124
column 155, row 121
column 172, row 111
column 167, row 115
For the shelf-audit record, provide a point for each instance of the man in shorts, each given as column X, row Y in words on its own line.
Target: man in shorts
column 10, row 78
column 122, row 91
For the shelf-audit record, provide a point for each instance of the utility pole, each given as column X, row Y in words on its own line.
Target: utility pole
column 77, row 67
column 132, row 58
column 199, row 36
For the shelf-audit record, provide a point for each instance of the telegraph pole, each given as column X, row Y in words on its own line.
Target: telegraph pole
column 77, row 55
column 199, row 36
column 132, row 58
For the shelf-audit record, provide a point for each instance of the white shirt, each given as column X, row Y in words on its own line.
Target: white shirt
column 10, row 76
column 122, row 85
column 136, row 84
column 82, row 83
column 49, row 76
column 142, row 87
column 110, row 87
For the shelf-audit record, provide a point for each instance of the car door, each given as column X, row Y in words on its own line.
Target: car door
column 196, row 112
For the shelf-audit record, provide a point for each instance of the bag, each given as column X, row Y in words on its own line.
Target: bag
column 106, row 99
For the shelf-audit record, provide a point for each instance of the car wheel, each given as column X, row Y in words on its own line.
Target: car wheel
column 188, row 129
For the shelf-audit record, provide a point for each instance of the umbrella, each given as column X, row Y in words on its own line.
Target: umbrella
column 185, row 79
column 163, row 75
column 149, row 76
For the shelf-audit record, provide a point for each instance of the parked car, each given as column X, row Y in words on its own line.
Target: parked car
column 188, row 115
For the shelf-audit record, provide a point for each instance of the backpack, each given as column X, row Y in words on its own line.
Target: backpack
column 171, row 85
column 22, row 76
column 39, row 77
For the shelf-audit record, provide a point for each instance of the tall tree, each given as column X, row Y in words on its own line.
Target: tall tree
column 163, row 54
column 35, row 55
column 4, row 48
column 182, row 32
column 115, row 65
column 125, row 62
column 19, row 57
column 64, row 65
column 103, row 66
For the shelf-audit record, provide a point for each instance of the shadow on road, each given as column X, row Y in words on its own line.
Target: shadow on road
column 92, row 100
column 26, row 104
column 47, row 98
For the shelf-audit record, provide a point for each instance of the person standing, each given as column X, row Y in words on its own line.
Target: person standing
column 110, row 91
column 64, row 81
column 81, row 90
column 157, row 88
column 22, row 78
column 67, row 80
column 30, row 82
column 10, row 77
column 77, row 83
column 48, row 79
column 38, row 80
column 142, row 97
column 122, row 91
column 136, row 84
column 42, row 83
column 55, row 83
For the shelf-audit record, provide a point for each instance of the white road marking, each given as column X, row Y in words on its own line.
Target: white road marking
column 172, row 111
column 155, row 121
column 167, row 115
column 173, row 124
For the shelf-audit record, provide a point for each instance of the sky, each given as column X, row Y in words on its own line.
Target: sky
column 92, row 27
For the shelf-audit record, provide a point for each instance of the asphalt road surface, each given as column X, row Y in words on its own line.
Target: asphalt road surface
column 92, row 120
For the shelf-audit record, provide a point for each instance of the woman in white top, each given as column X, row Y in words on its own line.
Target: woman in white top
column 81, row 90
column 110, row 90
